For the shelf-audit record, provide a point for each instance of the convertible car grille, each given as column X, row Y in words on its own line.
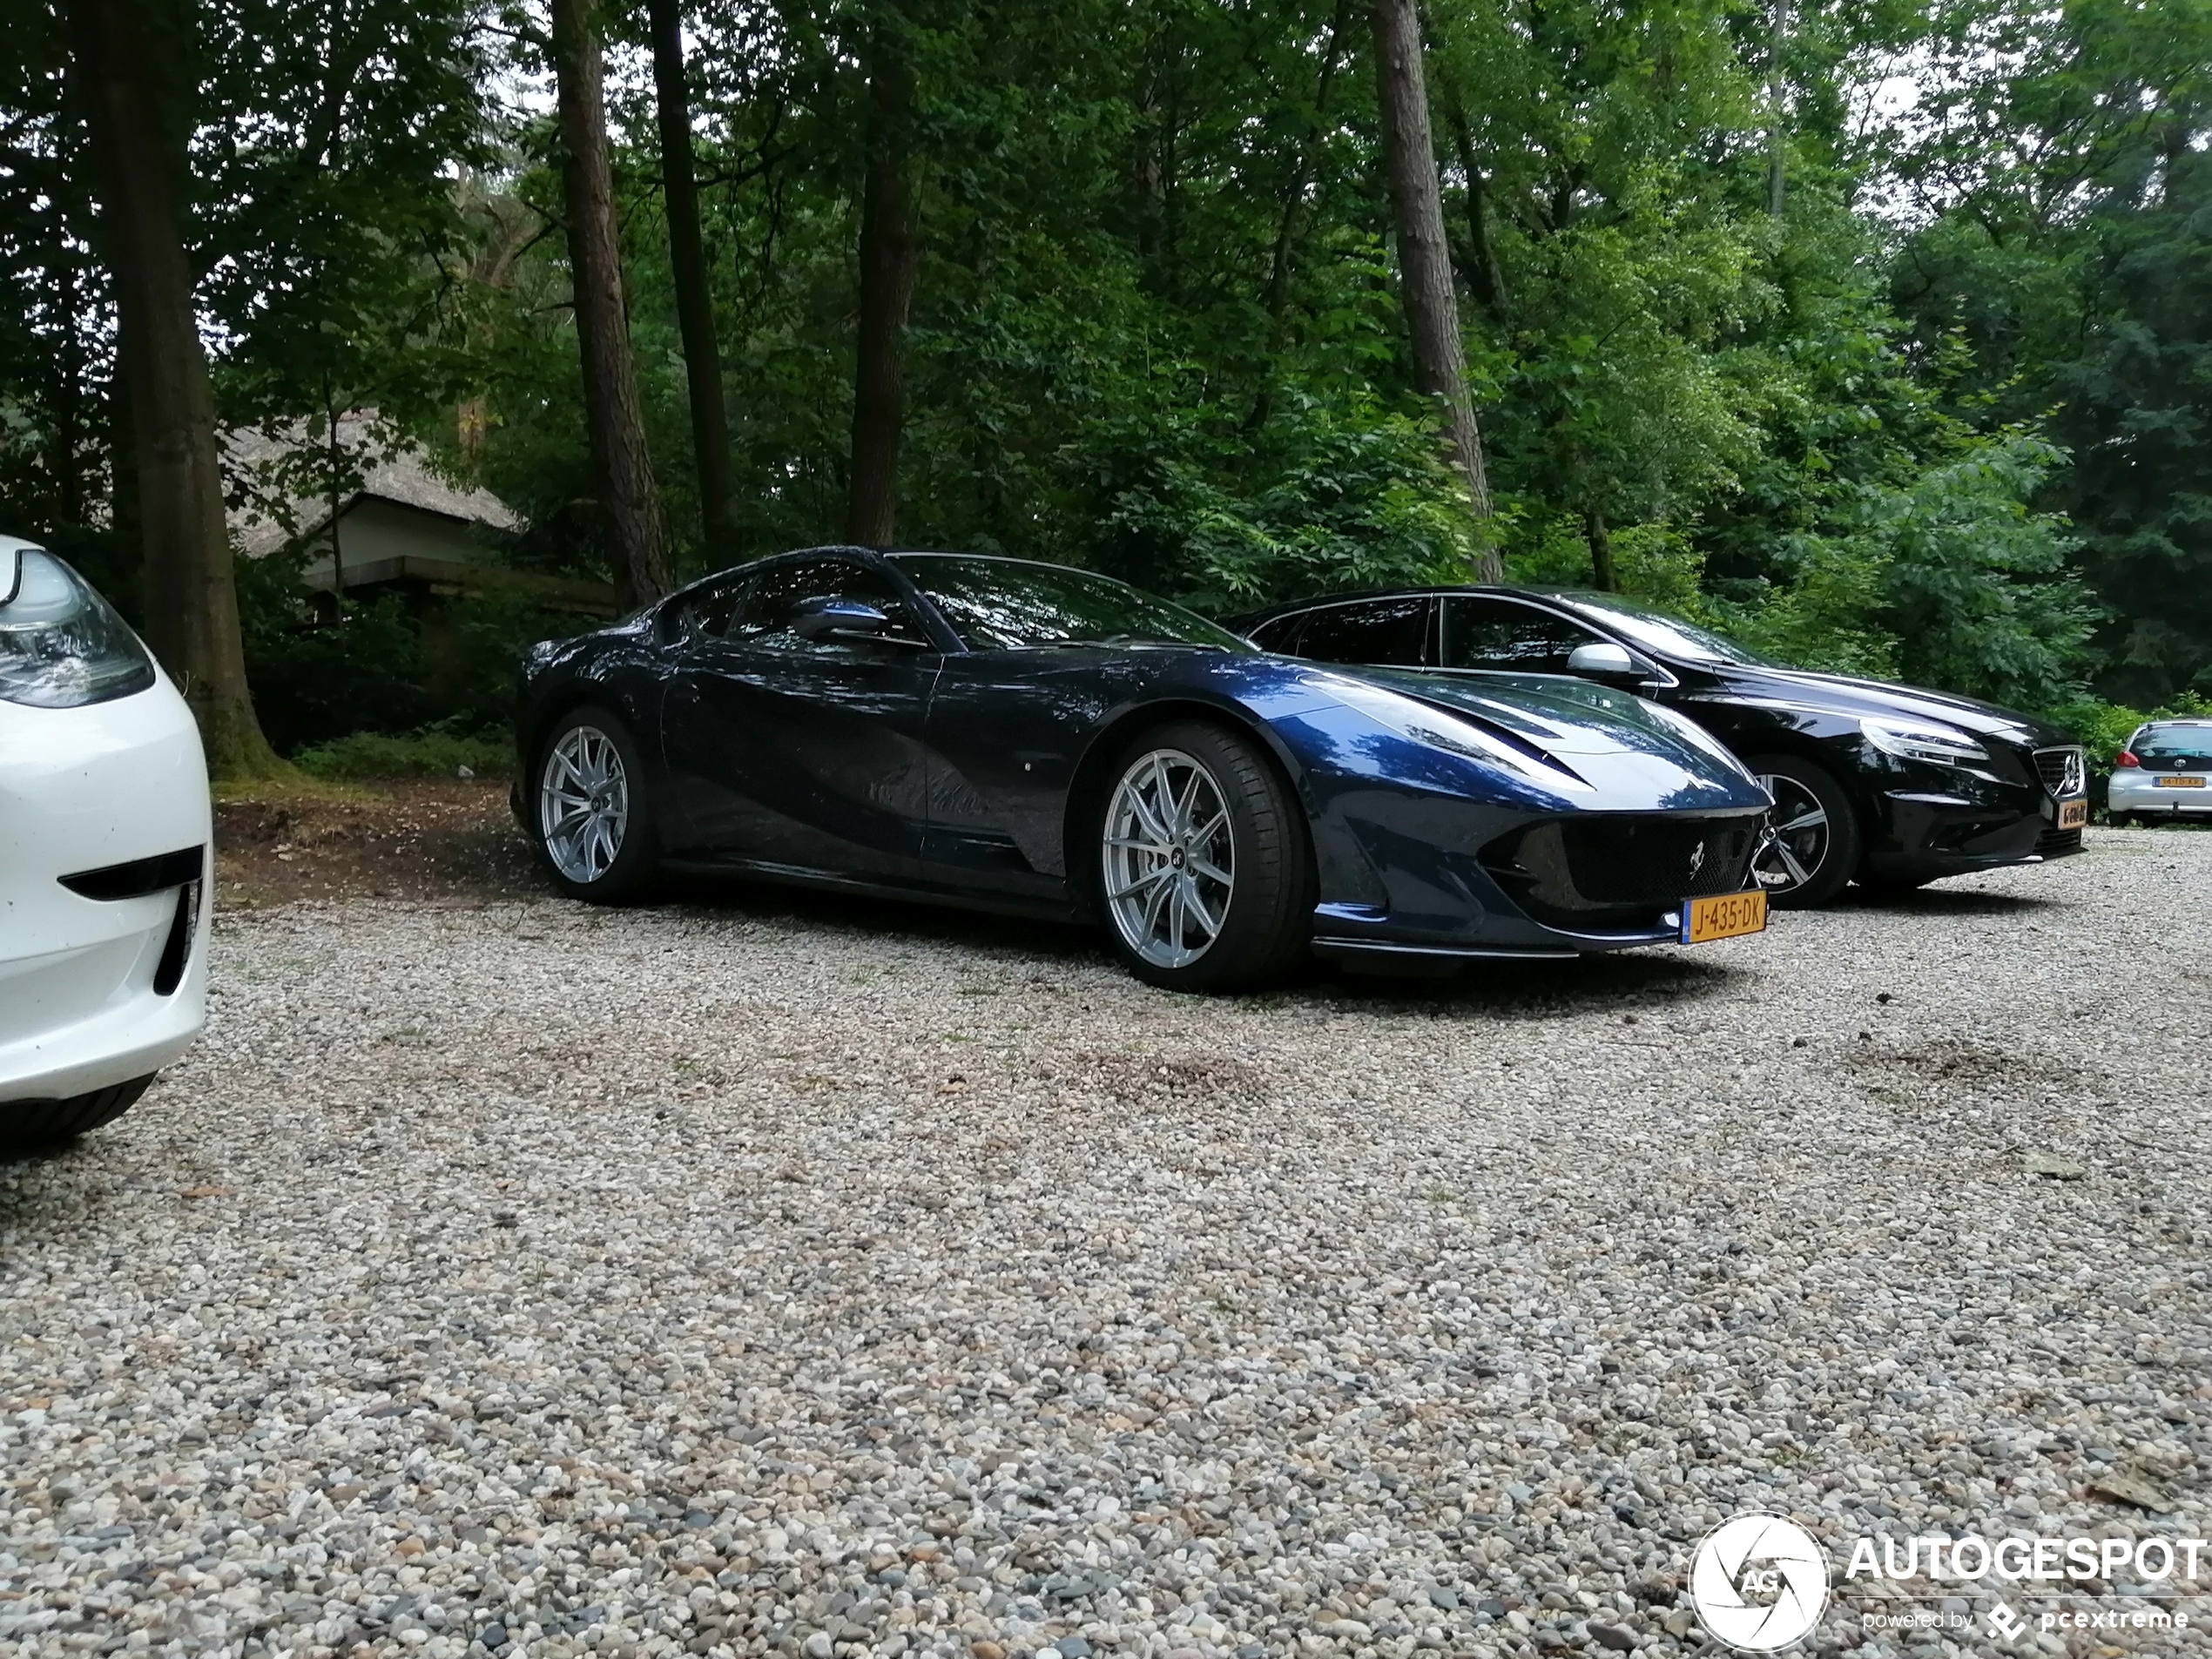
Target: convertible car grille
column 1605, row 870
column 2060, row 771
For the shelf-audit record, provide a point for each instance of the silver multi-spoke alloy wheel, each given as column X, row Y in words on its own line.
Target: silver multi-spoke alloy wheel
column 1171, row 864
column 1796, row 843
column 584, row 804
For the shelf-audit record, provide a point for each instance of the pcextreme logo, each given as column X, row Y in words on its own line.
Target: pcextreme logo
column 1759, row 1582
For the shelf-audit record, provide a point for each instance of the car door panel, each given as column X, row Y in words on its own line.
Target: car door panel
column 800, row 754
column 1006, row 729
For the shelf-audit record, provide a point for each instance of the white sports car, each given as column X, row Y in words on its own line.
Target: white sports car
column 104, row 850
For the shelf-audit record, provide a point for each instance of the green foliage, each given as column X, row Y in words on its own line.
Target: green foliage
column 440, row 750
column 361, row 669
column 320, row 671
column 1892, row 428
column 1323, row 498
column 1976, row 586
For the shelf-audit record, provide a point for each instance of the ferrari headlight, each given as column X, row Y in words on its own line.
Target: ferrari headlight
column 61, row 645
column 1410, row 718
column 1944, row 745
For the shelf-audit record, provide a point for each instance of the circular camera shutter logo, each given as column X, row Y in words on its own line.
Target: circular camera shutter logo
column 1759, row 1582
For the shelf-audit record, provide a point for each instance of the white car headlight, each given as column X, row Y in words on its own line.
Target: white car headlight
column 1944, row 745
column 1410, row 718
column 60, row 644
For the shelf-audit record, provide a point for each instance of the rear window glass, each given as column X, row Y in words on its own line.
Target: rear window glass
column 2173, row 742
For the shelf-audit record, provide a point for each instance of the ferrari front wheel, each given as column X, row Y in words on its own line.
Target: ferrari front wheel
column 1205, row 872
column 593, row 821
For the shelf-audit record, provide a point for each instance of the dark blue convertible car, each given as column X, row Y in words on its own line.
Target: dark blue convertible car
column 1021, row 737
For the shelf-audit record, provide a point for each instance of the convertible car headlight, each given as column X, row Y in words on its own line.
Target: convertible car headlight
column 1410, row 718
column 61, row 645
column 1944, row 745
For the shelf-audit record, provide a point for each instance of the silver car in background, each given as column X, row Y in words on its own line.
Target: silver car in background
column 2165, row 772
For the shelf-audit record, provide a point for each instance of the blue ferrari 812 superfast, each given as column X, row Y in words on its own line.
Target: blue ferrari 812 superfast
column 1026, row 738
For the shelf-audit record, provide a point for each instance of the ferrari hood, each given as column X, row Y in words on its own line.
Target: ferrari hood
column 1568, row 717
column 1583, row 745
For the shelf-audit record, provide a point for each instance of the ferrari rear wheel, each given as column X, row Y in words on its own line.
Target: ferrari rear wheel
column 592, row 819
column 1204, row 869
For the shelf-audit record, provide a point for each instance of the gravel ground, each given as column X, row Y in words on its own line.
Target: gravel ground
column 762, row 1275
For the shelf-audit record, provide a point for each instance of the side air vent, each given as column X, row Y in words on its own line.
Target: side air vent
column 176, row 953
column 140, row 876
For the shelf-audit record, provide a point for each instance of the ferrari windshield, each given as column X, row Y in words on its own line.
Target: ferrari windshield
column 1667, row 635
column 1011, row 604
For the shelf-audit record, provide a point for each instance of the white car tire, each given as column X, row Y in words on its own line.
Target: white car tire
column 28, row 1126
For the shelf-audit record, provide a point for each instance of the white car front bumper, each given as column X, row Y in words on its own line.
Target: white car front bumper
column 2137, row 790
column 92, row 991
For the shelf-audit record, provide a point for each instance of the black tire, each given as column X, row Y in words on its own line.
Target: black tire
column 1268, row 921
column 1825, row 876
column 45, row 1125
column 633, row 871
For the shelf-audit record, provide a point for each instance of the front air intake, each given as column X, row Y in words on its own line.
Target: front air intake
column 176, row 952
column 1608, row 870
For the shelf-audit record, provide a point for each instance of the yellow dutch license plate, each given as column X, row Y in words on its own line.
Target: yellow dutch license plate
column 2181, row 783
column 1725, row 915
column 2073, row 814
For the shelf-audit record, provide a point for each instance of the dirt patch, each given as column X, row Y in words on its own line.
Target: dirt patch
column 439, row 839
column 1135, row 1079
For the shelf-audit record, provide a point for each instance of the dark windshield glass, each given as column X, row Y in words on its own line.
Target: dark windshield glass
column 1669, row 636
column 2172, row 742
column 1011, row 604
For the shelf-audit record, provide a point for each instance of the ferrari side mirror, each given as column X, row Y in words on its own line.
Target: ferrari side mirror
column 819, row 619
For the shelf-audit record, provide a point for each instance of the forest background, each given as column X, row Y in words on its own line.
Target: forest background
column 1876, row 333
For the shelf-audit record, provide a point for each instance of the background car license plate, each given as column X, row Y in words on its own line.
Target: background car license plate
column 1725, row 915
column 2073, row 814
column 2181, row 783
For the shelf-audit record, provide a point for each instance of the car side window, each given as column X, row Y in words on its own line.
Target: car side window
column 773, row 599
column 1384, row 631
column 705, row 612
column 1483, row 633
column 1281, row 635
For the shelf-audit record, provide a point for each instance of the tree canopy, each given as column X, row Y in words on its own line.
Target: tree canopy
column 1875, row 334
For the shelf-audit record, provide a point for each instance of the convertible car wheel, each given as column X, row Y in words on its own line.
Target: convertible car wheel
column 593, row 821
column 1814, row 849
column 1203, row 870
column 47, row 1125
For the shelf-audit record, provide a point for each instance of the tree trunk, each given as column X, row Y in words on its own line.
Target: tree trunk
column 687, row 263
column 890, row 257
column 190, row 601
column 628, row 500
column 1485, row 275
column 1432, row 309
column 1601, row 552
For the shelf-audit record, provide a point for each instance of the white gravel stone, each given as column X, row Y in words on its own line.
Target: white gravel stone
column 765, row 1275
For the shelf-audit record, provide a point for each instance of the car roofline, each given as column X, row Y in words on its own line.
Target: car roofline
column 1314, row 602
